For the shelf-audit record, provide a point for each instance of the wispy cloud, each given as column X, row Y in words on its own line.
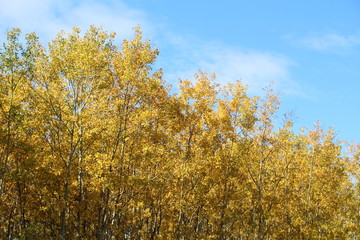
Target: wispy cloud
column 48, row 17
column 330, row 41
column 181, row 56
column 257, row 69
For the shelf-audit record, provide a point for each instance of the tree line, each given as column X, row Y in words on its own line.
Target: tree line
column 93, row 145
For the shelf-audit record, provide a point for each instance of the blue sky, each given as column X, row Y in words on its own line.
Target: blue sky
column 311, row 49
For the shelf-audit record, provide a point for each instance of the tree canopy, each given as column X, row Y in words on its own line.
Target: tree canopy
column 94, row 146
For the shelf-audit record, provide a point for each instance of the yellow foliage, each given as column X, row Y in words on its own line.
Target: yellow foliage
column 94, row 146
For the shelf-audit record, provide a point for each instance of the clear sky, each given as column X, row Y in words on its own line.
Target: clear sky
column 311, row 49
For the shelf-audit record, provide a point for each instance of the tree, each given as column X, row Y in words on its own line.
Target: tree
column 93, row 145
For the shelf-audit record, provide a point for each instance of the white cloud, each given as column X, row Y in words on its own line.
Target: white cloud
column 254, row 68
column 48, row 17
column 181, row 56
column 330, row 41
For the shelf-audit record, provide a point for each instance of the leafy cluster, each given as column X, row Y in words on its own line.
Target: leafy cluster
column 94, row 146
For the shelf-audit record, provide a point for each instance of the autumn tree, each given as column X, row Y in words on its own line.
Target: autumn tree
column 94, row 145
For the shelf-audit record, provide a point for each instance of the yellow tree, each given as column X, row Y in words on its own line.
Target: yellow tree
column 327, row 193
column 64, row 101
column 195, row 108
column 232, row 124
column 16, row 149
column 131, row 149
column 94, row 146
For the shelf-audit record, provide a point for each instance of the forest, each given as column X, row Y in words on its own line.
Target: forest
column 95, row 144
